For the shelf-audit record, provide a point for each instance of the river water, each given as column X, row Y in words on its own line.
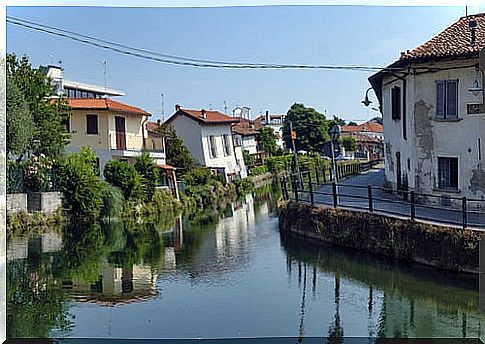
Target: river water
column 231, row 275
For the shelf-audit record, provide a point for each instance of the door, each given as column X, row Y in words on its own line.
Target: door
column 120, row 133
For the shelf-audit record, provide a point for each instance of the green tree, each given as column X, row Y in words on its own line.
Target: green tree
column 178, row 154
column 268, row 139
column 337, row 120
column 354, row 124
column 20, row 124
column 348, row 143
column 48, row 112
column 248, row 158
column 149, row 173
column 311, row 128
column 80, row 185
column 124, row 176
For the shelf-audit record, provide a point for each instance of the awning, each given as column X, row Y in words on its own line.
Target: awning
column 166, row 167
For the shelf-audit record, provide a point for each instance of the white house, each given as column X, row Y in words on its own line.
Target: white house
column 208, row 136
column 432, row 102
column 274, row 121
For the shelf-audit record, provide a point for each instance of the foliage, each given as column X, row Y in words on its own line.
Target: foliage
column 113, row 201
column 49, row 136
column 278, row 164
column 310, row 126
column 80, row 185
column 124, row 176
column 163, row 205
column 248, row 158
column 244, row 185
column 178, row 154
column 377, row 119
column 23, row 222
column 338, row 121
column 353, row 124
column 39, row 173
column 268, row 139
column 198, row 176
column 348, row 143
column 256, row 171
column 149, row 173
column 20, row 124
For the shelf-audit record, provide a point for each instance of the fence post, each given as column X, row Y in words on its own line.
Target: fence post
column 464, row 210
column 310, row 188
column 413, row 208
column 369, row 195
column 334, row 193
column 283, row 186
column 316, row 175
column 324, row 176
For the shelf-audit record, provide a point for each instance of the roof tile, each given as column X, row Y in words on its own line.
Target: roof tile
column 104, row 104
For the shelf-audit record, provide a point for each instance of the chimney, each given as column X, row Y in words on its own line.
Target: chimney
column 203, row 114
column 177, row 107
column 402, row 54
column 267, row 117
column 472, row 25
column 159, row 122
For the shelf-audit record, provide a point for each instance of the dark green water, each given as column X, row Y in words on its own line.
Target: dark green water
column 237, row 277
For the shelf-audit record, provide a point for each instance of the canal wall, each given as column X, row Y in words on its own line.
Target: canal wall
column 439, row 246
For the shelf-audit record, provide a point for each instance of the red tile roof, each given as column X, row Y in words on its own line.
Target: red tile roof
column 367, row 126
column 243, row 127
column 211, row 117
column 104, row 104
column 365, row 138
column 454, row 41
column 152, row 126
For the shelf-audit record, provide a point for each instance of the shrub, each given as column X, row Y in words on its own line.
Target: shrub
column 149, row 173
column 124, row 176
column 80, row 185
column 256, row 171
column 39, row 173
column 198, row 176
column 113, row 201
column 244, row 186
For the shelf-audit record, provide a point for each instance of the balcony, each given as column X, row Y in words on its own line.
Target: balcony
column 131, row 145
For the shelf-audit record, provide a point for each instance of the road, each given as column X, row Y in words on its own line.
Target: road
column 353, row 194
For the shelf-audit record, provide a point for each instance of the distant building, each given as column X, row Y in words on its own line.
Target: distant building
column 274, row 121
column 432, row 102
column 368, row 139
column 208, row 136
column 246, row 134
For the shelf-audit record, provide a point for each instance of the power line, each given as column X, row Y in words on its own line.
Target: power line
column 170, row 59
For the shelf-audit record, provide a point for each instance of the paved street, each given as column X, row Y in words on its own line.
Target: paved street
column 354, row 195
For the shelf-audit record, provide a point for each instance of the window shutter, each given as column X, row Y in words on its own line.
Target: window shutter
column 440, row 99
column 91, row 124
column 396, row 102
column 451, row 99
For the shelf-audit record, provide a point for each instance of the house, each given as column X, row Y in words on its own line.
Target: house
column 368, row 139
column 208, row 136
column 114, row 130
column 432, row 102
column 274, row 121
column 246, row 133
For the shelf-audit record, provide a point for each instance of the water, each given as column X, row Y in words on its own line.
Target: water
column 238, row 277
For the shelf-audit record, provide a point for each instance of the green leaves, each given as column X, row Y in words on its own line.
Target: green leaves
column 268, row 139
column 178, row 154
column 149, row 173
column 126, row 177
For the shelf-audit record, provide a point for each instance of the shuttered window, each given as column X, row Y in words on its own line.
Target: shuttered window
column 396, row 103
column 92, row 124
column 447, row 99
column 212, row 147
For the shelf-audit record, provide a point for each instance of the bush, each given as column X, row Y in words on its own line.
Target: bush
column 113, row 201
column 126, row 177
column 80, row 185
column 198, row 176
column 149, row 173
column 244, row 186
column 256, row 171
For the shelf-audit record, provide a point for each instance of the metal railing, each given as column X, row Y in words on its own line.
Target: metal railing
column 459, row 211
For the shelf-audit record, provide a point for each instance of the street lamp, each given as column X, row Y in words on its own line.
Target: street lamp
column 366, row 101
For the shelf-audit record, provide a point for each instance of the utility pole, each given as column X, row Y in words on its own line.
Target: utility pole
column 104, row 67
column 293, row 136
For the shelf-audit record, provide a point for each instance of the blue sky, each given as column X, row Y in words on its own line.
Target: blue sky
column 330, row 35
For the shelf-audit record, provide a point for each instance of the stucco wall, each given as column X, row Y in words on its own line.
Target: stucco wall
column 229, row 161
column 189, row 131
column 429, row 138
column 249, row 144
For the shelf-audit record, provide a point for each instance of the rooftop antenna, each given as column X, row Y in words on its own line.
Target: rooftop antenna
column 163, row 109
column 105, row 71
column 225, row 107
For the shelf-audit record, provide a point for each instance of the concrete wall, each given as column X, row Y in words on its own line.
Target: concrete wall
column 429, row 138
column 17, row 202
column 222, row 160
column 43, row 201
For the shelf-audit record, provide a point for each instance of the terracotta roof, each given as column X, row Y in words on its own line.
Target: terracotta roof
column 166, row 167
column 243, row 127
column 365, row 138
column 367, row 126
column 211, row 117
column 454, row 41
column 104, row 104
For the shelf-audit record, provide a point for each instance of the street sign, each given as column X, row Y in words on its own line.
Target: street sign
column 335, row 132
column 293, row 135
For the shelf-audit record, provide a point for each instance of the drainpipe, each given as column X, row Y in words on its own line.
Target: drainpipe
column 143, row 127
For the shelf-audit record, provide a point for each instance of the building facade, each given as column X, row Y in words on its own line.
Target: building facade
column 432, row 102
column 208, row 136
column 368, row 140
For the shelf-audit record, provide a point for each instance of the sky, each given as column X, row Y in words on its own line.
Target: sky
column 324, row 35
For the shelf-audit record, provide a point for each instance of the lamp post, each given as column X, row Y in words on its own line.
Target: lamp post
column 366, row 101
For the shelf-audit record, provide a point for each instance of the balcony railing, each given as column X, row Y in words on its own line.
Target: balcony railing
column 133, row 146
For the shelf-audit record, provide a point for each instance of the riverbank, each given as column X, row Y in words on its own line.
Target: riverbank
column 439, row 246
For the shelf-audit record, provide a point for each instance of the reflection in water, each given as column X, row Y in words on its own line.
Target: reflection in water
column 224, row 273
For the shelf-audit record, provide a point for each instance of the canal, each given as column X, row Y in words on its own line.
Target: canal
column 230, row 275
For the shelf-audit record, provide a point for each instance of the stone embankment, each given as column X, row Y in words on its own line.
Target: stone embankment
column 440, row 246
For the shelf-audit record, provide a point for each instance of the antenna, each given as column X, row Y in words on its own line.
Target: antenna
column 163, row 109
column 105, row 71
column 225, row 107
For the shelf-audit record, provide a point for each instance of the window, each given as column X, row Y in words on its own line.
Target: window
column 448, row 173
column 212, row 147
column 447, row 99
column 227, row 144
column 92, row 124
column 396, row 103
column 66, row 122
